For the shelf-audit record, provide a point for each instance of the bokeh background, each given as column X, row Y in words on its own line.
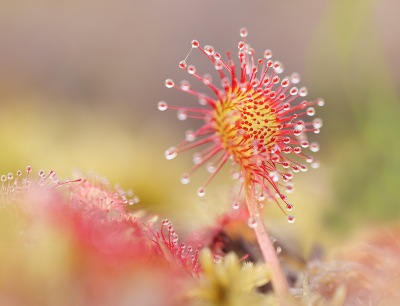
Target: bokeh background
column 80, row 81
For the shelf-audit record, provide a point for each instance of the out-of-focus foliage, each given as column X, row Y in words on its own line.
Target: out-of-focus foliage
column 364, row 108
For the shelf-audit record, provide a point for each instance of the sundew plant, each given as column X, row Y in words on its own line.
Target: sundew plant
column 85, row 240
column 258, row 120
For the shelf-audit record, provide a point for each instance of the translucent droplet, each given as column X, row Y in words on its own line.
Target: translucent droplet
column 241, row 45
column 252, row 222
column 131, row 202
column 297, row 150
column 10, row 176
column 3, row 178
column 314, row 147
column 19, row 173
column 290, row 219
column 278, row 250
column 197, row 158
column 185, row 178
column 304, row 144
column 320, row 102
column 191, row 69
column 169, row 83
column 289, row 187
column 289, row 207
column 243, row 32
column 217, row 56
column 295, row 78
column 190, row 135
column 294, row 91
column 211, row 167
column 218, row 65
column 267, row 54
column 195, row 43
column 28, row 169
column 202, row 101
column 162, row 106
column 136, row 199
column 129, row 193
column 235, row 205
column 185, row 85
column 315, row 164
column 182, row 64
column 303, row 167
column 209, row 49
column 41, row 173
column 311, row 111
column 303, row 91
column 278, row 67
column 171, row 153
column 181, row 114
column 317, row 123
column 201, row 191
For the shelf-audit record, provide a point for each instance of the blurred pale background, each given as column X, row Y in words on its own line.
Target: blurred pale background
column 80, row 81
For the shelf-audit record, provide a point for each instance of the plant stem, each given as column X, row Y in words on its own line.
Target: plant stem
column 278, row 279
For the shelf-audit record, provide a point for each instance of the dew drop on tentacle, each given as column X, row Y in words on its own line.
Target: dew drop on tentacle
column 311, row 111
column 252, row 222
column 294, row 91
column 197, row 158
column 10, row 176
column 317, row 123
column 290, row 219
column 314, row 147
column 289, row 207
column 289, row 187
column 209, row 49
column 169, row 83
column 320, row 102
column 182, row 64
column 315, row 164
column 295, row 78
column 303, row 91
column 19, row 173
column 235, row 205
column 28, row 169
column 211, row 167
column 201, row 191
column 185, row 85
column 185, row 178
column 243, row 32
column 191, row 69
column 267, row 54
column 304, row 144
column 181, row 115
column 162, row 106
column 171, row 153
column 278, row 67
column 195, row 43
column 190, row 135
column 3, row 178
